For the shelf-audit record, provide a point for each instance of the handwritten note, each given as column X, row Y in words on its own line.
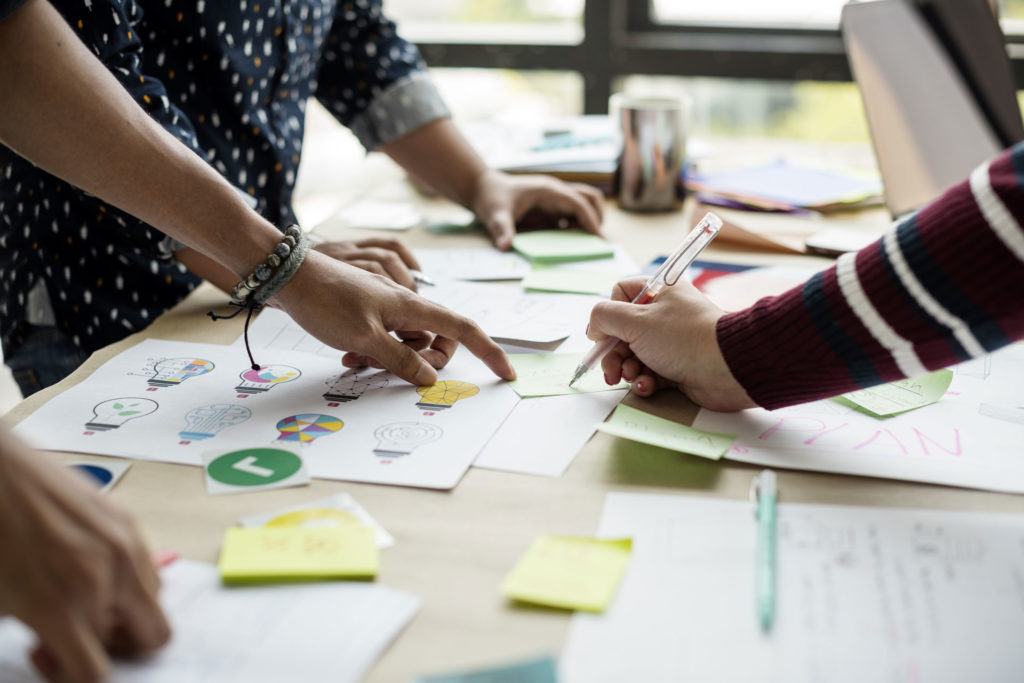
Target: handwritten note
column 548, row 374
column 569, row 572
column 899, row 397
column 636, row 425
column 570, row 281
column 553, row 246
column 298, row 553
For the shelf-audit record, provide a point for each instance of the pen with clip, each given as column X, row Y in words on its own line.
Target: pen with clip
column 666, row 276
column 764, row 493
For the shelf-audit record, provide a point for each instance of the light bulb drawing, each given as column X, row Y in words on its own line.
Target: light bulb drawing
column 443, row 395
column 207, row 421
column 307, row 427
column 352, row 384
column 402, row 438
column 113, row 413
column 170, row 372
column 268, row 376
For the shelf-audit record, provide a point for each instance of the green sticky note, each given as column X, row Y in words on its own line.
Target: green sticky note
column 548, row 374
column 636, row 425
column 898, row 397
column 570, row 572
column 450, row 228
column 543, row 670
column 276, row 554
column 571, row 281
column 553, row 246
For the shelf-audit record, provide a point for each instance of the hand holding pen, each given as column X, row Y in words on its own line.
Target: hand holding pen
column 667, row 275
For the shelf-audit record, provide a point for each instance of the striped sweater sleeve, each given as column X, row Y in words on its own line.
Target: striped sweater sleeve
column 940, row 287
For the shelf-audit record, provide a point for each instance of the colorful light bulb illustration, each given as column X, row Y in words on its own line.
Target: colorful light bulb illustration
column 402, row 438
column 443, row 395
column 170, row 372
column 352, row 384
column 207, row 421
column 258, row 381
column 307, row 427
column 114, row 412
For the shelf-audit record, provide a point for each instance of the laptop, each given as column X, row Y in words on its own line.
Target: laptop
column 937, row 89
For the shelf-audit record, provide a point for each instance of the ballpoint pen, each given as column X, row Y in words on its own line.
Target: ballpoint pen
column 666, row 276
column 764, row 492
column 421, row 278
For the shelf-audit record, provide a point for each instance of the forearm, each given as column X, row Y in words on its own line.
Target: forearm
column 67, row 114
column 941, row 287
column 439, row 155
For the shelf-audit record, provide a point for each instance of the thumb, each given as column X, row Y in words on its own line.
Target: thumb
column 403, row 361
column 502, row 228
column 614, row 319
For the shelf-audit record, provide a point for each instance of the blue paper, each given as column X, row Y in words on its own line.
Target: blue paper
column 541, row 670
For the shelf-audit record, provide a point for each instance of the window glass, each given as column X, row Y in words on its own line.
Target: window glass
column 493, row 21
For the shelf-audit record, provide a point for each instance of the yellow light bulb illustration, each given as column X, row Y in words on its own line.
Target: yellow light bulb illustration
column 443, row 395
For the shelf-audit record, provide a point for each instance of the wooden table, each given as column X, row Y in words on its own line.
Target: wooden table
column 454, row 547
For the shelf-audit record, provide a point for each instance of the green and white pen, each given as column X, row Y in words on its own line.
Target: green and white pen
column 764, row 491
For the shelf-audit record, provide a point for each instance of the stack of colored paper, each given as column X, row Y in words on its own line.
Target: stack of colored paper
column 277, row 554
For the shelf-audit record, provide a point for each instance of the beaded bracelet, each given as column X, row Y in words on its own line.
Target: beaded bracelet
column 267, row 279
column 260, row 275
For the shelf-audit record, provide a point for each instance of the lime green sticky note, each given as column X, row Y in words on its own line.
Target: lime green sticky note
column 553, row 246
column 636, row 425
column 898, row 397
column 570, row 572
column 571, row 281
column 548, row 374
column 259, row 554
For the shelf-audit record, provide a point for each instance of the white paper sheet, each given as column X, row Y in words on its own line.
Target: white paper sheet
column 390, row 433
column 253, row 634
column 471, row 264
column 509, row 313
column 543, row 435
column 864, row 594
column 340, row 503
column 957, row 441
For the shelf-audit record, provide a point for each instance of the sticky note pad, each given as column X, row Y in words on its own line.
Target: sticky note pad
column 548, row 374
column 636, row 425
column 293, row 553
column 901, row 396
column 570, row 281
column 553, row 246
column 570, row 572
column 542, row 670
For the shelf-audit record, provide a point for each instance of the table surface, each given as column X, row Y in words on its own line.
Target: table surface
column 454, row 547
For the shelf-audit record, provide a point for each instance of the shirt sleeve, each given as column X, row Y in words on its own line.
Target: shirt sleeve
column 940, row 287
column 374, row 81
column 109, row 30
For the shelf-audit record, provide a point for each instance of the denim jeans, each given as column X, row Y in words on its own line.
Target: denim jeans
column 46, row 357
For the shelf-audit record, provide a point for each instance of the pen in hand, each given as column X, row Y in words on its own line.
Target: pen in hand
column 666, row 276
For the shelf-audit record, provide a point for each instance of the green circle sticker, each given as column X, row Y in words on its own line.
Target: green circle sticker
column 254, row 466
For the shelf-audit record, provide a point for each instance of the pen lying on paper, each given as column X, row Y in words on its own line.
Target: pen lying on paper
column 666, row 276
column 764, row 491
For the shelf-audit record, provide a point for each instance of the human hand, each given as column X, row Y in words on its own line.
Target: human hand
column 73, row 568
column 669, row 342
column 382, row 256
column 350, row 309
column 501, row 201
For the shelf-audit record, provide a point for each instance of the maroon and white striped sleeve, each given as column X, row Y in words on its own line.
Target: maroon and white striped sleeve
column 940, row 287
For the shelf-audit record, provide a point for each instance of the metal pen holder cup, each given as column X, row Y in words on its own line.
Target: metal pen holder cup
column 652, row 131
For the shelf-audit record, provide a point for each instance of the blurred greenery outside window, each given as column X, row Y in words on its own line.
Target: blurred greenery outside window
column 721, row 107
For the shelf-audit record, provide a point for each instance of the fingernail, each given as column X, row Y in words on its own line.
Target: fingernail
column 588, row 329
column 606, row 380
column 426, row 376
column 641, row 387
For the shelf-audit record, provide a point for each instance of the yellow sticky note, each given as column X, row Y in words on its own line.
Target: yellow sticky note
column 570, row 572
column 298, row 553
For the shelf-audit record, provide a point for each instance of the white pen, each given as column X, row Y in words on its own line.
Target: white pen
column 421, row 278
column 666, row 276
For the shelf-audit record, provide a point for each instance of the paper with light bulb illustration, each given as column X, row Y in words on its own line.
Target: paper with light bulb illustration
column 173, row 401
column 337, row 510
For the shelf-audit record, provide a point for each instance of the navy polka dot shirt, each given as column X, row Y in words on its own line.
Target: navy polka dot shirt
column 231, row 81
